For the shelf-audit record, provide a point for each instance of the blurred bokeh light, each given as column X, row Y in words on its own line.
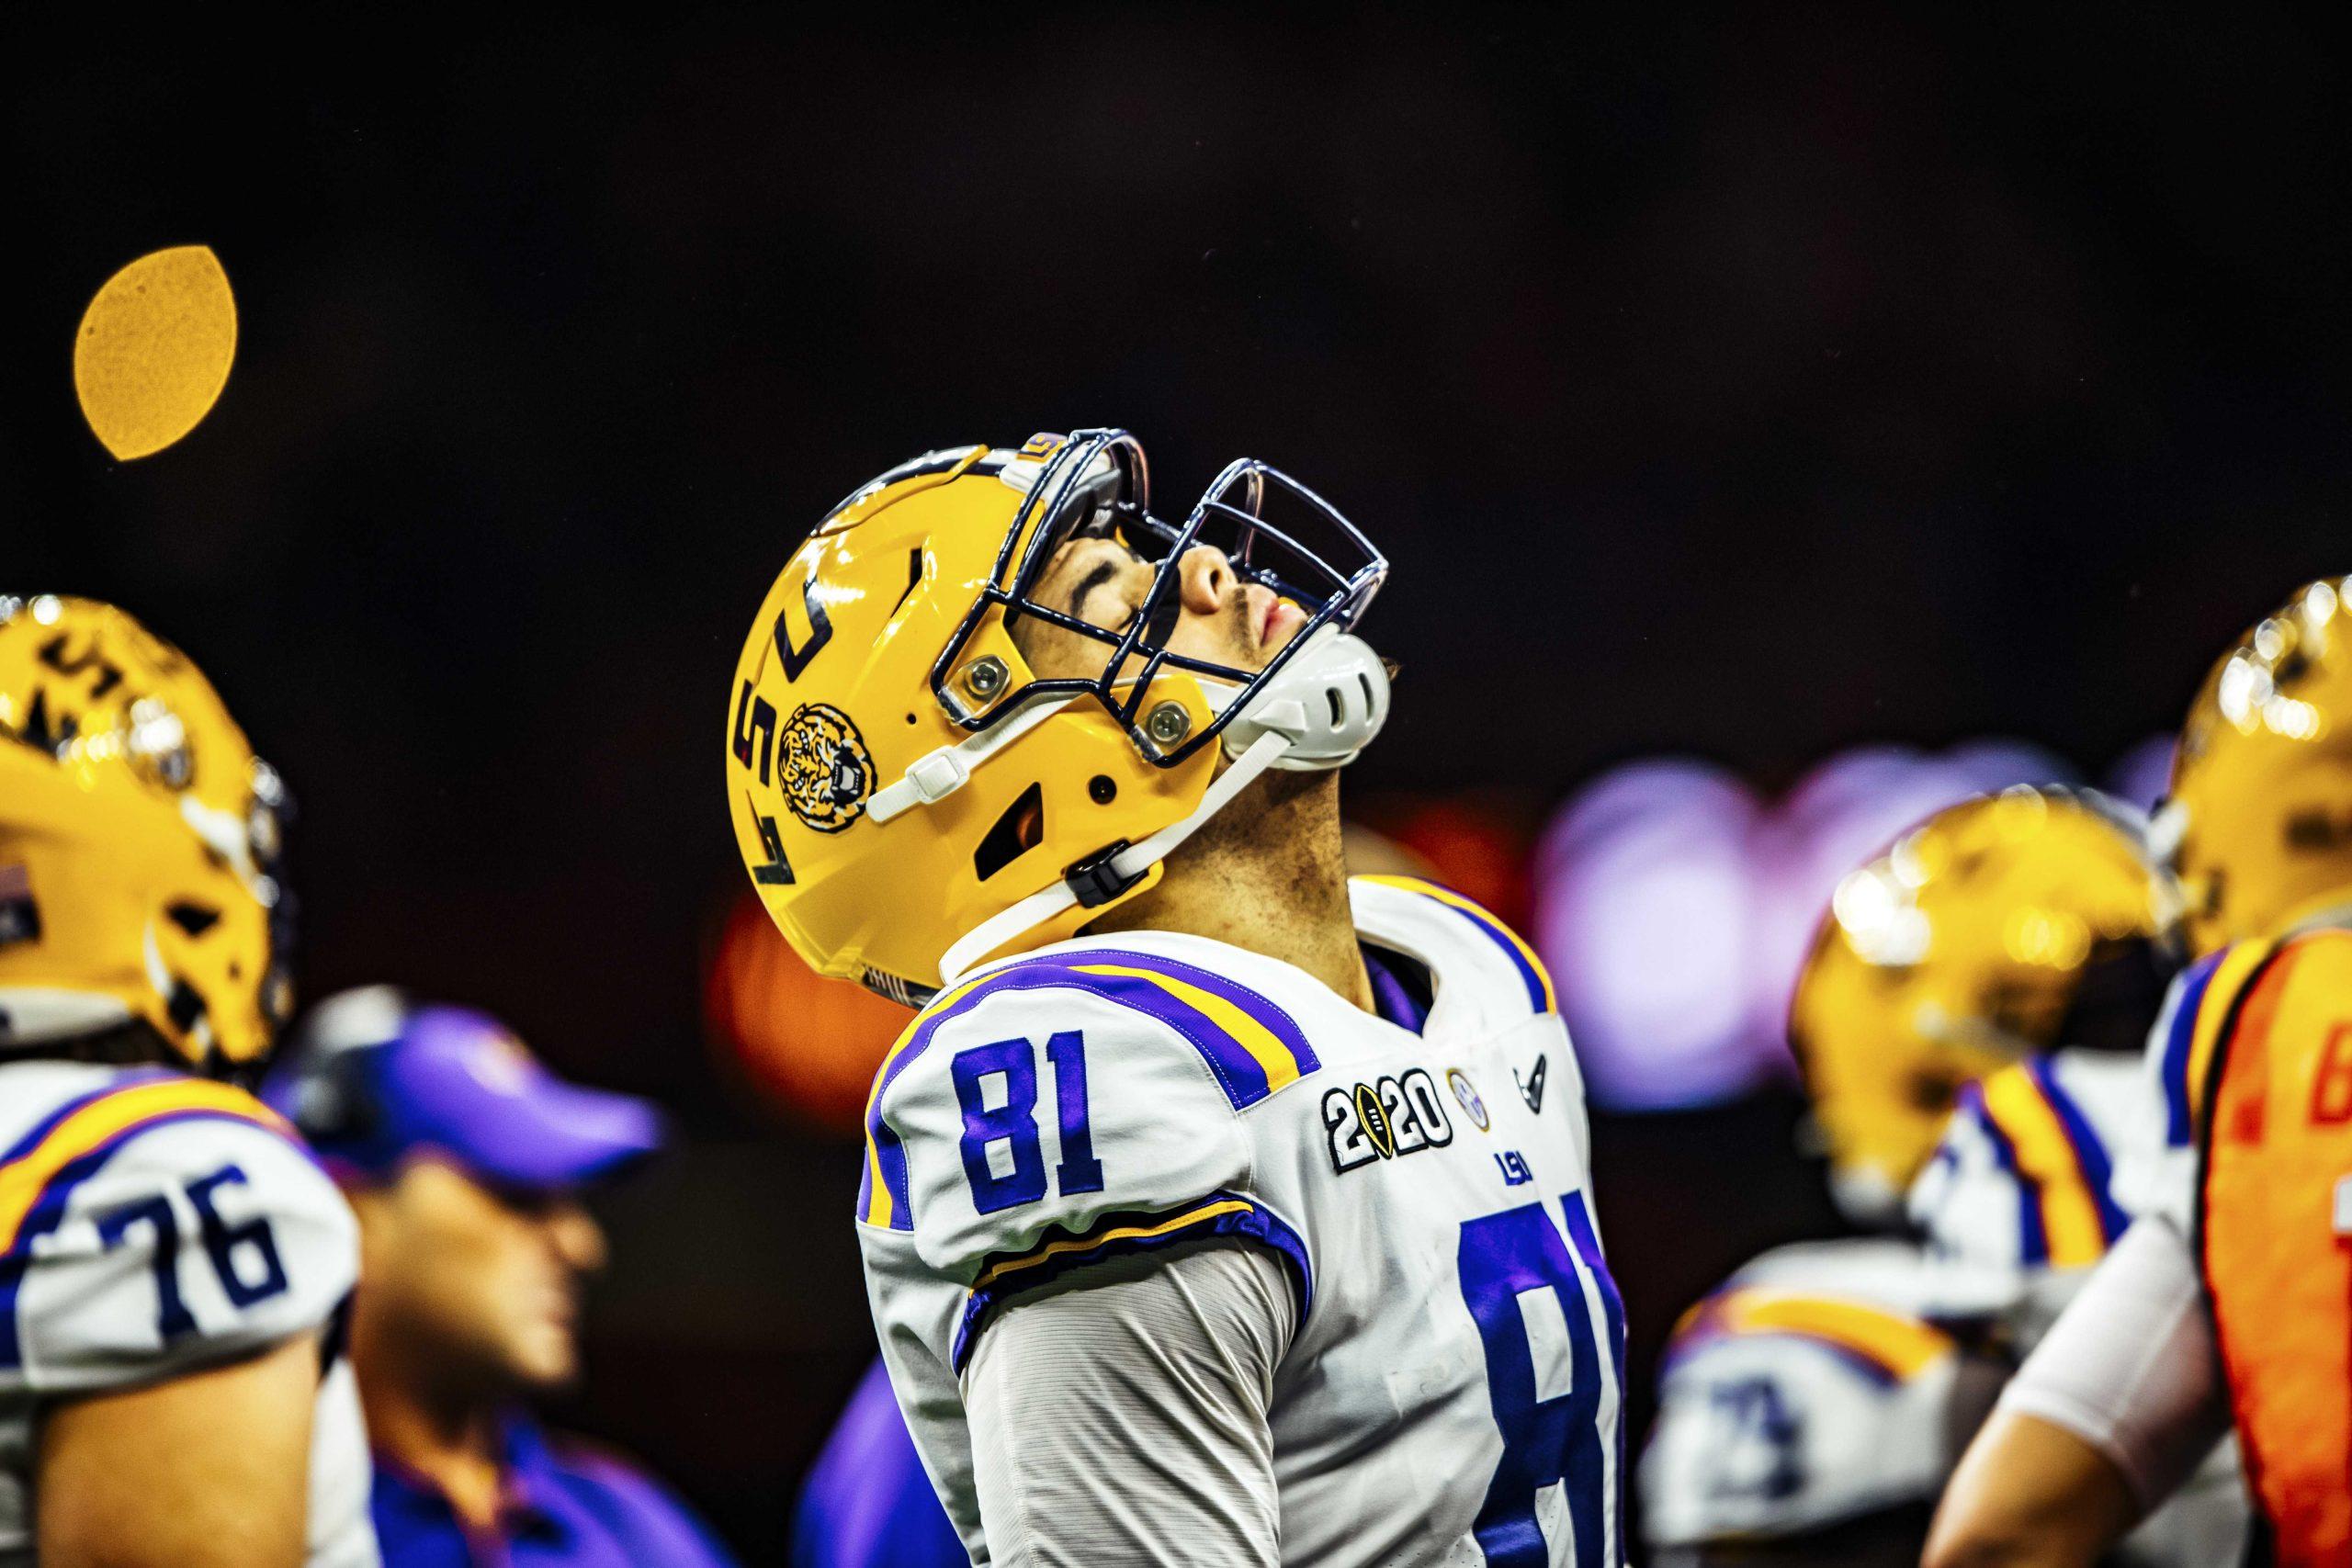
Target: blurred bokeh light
column 1646, row 914
column 154, row 350
column 2142, row 774
column 807, row 1044
column 1675, row 908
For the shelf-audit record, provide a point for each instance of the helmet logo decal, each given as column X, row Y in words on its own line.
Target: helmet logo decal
column 821, row 632
column 778, row 872
column 823, row 768
column 754, row 722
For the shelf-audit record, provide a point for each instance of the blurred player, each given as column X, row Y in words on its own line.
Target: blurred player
column 1968, row 1021
column 2231, row 1296
column 466, row 1161
column 173, row 1266
column 866, row 1503
column 1216, row 1210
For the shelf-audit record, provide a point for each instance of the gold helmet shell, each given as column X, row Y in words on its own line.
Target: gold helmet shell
column 139, row 844
column 2258, row 824
column 902, row 782
column 1998, row 929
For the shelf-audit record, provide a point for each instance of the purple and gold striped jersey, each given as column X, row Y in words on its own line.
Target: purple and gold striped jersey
column 152, row 1225
column 2025, row 1175
column 1823, row 1382
column 1453, row 1382
column 2158, row 1171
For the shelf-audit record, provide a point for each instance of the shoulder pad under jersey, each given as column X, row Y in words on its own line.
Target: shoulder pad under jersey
column 2024, row 1176
column 1473, row 954
column 158, row 1223
column 1083, row 1101
column 1784, row 1409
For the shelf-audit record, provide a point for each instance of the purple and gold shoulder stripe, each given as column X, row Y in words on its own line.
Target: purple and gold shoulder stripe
column 41, row 1173
column 1250, row 1046
column 2067, row 1217
column 1219, row 1214
column 1541, row 996
column 1885, row 1346
column 2209, row 992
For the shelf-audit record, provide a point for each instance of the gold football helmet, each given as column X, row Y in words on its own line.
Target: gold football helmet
column 139, row 843
column 910, row 798
column 2258, row 824
column 1997, row 929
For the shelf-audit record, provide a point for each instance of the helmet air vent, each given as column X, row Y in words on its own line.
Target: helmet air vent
column 1019, row 831
column 195, row 919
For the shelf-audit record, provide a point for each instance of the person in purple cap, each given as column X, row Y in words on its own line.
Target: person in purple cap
column 464, row 1160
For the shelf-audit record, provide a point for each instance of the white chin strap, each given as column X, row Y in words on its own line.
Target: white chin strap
column 1323, row 709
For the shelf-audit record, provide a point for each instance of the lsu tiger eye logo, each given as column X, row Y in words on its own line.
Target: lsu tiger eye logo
column 822, row 767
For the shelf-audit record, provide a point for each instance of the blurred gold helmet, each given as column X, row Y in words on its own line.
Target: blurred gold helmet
column 140, row 841
column 2258, row 824
column 1999, row 929
column 910, row 798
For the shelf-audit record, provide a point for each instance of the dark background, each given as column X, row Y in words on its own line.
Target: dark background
column 1750, row 386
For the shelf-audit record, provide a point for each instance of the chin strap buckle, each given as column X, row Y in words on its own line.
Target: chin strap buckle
column 1096, row 880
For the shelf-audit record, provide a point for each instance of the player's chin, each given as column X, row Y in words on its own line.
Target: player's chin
column 547, row 1357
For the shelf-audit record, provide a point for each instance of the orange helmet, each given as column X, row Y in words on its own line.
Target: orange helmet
column 2258, row 824
column 139, row 844
column 910, row 799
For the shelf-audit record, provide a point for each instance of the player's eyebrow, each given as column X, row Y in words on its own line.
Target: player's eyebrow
column 1100, row 573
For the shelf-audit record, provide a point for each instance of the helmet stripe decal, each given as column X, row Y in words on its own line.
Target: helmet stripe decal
column 1538, row 980
column 1250, row 1046
column 39, row 1175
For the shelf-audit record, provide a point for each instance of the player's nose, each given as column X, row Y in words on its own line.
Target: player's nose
column 576, row 1236
column 1206, row 578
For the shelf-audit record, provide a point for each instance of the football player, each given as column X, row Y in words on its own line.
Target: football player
column 1216, row 1209
column 2228, row 1298
column 1968, row 1021
column 172, row 1265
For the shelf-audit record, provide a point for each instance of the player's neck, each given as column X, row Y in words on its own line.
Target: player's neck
column 448, row 1436
column 1267, row 875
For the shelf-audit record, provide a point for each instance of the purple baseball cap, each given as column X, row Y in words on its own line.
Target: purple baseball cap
column 375, row 1078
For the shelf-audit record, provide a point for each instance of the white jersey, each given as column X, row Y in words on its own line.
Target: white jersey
column 152, row 1224
column 2024, row 1177
column 1453, row 1381
column 1824, row 1383
column 1827, row 1381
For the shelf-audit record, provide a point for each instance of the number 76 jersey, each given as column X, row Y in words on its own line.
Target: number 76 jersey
column 1453, row 1388
column 154, row 1225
